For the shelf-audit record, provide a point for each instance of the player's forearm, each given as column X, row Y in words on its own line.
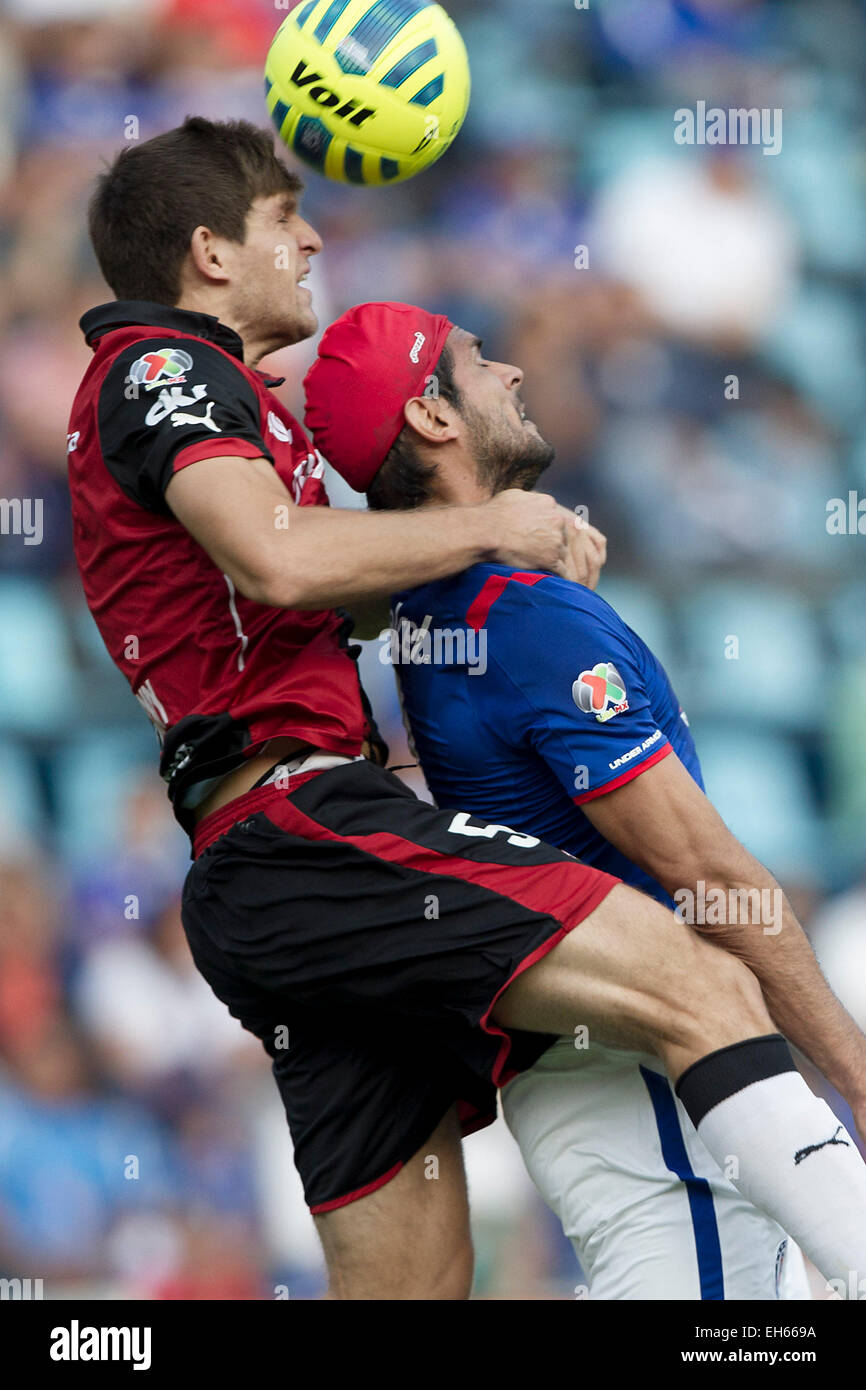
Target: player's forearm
column 744, row 910
column 329, row 557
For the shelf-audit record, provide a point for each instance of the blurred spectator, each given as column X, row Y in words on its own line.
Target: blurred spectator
column 161, row 1032
column 73, row 1159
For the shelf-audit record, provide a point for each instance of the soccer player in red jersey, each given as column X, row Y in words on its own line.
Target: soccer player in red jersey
column 396, row 965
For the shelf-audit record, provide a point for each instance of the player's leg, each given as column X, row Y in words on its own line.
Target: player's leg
column 409, row 1239
column 347, row 892
column 647, row 1209
column 634, row 975
column 371, row 1113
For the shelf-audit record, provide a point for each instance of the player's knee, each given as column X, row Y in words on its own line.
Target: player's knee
column 440, row 1277
column 445, row 1275
column 728, row 986
column 723, row 1003
column 454, row 1279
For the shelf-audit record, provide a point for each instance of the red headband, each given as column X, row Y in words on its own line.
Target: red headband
column 372, row 360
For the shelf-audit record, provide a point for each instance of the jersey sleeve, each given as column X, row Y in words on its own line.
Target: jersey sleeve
column 166, row 403
column 577, row 674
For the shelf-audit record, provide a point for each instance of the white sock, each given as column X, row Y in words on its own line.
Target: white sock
column 792, row 1157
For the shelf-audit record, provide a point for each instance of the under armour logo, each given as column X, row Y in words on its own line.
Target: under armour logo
column 813, row 1148
column 415, row 353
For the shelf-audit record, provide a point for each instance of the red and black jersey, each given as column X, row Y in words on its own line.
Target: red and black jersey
column 218, row 674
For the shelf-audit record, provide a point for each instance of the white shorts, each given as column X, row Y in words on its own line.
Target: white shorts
column 648, row 1210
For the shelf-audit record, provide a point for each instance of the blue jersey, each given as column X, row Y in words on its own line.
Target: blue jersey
column 527, row 696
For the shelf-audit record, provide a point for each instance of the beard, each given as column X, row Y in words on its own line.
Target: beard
column 508, row 456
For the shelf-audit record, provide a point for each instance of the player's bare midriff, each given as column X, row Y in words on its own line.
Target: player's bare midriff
column 243, row 778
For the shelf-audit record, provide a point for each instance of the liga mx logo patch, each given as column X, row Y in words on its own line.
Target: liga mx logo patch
column 600, row 691
column 160, row 366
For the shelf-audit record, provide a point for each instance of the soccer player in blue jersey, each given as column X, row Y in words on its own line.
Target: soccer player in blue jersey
column 534, row 707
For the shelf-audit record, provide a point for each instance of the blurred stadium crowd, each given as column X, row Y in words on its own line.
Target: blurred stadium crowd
column 703, row 381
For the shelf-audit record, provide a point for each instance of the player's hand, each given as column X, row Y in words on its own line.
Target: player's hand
column 530, row 531
column 587, row 551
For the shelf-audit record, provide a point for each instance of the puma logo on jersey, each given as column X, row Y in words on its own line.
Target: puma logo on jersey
column 278, row 428
column 179, row 418
column 813, row 1148
column 172, row 398
column 154, row 708
column 313, row 466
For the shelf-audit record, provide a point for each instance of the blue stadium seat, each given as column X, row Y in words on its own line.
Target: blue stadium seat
column 817, row 341
column 92, row 774
column 21, row 802
column 89, row 639
column 846, row 619
column 644, row 611
column 759, row 785
column 814, row 177
column 857, row 463
column 39, row 688
column 845, row 741
column 778, row 648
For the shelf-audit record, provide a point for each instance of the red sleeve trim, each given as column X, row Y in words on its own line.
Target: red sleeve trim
column 620, row 781
column 221, row 446
column 492, row 589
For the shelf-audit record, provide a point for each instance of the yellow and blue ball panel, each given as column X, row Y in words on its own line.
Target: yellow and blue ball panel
column 367, row 92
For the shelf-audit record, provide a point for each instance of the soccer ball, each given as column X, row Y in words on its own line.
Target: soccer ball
column 367, row 91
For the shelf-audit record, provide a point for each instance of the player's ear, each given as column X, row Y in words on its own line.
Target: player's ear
column 432, row 417
column 208, row 255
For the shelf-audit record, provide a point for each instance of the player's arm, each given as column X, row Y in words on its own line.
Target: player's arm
column 315, row 557
column 579, row 677
column 277, row 553
column 586, row 559
column 664, row 823
column 191, row 443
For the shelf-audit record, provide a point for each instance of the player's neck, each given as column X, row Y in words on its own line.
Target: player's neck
column 457, row 484
column 220, row 308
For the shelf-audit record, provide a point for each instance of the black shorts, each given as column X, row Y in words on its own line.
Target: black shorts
column 364, row 936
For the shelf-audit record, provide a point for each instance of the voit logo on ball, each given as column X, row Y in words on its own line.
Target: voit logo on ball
column 160, row 366
column 600, row 691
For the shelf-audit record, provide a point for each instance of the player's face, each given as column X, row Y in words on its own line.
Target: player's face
column 507, row 447
column 271, row 266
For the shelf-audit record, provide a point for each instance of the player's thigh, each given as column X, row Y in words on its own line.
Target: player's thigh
column 636, row 976
column 409, row 1239
column 649, row 1212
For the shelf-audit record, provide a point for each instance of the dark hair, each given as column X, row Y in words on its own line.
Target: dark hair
column 147, row 205
column 403, row 481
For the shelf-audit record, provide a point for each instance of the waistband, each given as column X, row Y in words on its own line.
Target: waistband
column 285, row 777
